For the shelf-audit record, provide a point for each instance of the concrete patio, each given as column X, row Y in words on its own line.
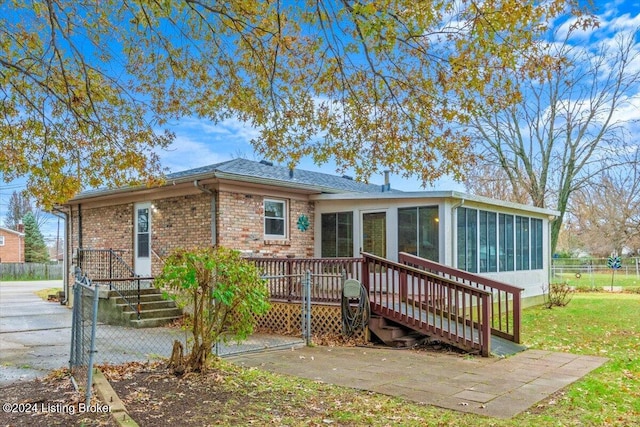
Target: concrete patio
column 496, row 387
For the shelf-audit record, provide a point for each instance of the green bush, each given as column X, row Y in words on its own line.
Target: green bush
column 222, row 291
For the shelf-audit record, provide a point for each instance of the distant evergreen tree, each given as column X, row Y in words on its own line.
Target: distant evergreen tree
column 35, row 250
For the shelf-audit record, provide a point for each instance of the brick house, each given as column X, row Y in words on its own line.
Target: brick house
column 11, row 245
column 263, row 209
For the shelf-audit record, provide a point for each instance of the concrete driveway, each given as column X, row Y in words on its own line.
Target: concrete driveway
column 35, row 335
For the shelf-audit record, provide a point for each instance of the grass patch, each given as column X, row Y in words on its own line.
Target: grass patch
column 601, row 325
column 44, row 293
column 598, row 280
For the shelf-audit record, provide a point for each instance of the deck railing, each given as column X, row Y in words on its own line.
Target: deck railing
column 440, row 307
column 505, row 299
column 285, row 276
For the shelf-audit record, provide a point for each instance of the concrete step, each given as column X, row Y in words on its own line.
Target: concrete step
column 155, row 314
column 406, row 341
column 132, row 292
column 147, row 305
column 152, row 323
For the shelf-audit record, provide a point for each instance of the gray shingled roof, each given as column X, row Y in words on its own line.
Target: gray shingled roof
column 247, row 169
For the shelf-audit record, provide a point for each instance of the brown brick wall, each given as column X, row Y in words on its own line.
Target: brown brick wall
column 241, row 226
column 179, row 222
column 185, row 222
column 13, row 248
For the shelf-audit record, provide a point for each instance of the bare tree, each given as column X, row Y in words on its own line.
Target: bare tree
column 19, row 205
column 492, row 181
column 566, row 128
column 607, row 213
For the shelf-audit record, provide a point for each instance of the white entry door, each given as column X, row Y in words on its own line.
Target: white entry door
column 142, row 239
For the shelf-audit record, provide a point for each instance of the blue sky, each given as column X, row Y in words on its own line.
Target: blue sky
column 200, row 143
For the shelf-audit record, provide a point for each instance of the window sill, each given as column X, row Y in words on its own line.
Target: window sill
column 281, row 242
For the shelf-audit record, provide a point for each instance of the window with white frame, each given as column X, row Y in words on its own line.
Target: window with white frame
column 1, row 240
column 275, row 219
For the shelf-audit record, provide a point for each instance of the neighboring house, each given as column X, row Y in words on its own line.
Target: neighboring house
column 263, row 209
column 11, row 245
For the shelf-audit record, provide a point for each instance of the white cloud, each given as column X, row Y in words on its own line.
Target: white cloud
column 200, row 143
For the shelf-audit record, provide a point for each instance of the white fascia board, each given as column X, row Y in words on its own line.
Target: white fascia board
column 456, row 195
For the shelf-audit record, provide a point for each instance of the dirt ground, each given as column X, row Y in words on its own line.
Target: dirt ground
column 153, row 396
column 52, row 401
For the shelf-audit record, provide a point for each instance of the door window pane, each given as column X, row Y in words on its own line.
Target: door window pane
column 336, row 234
column 418, row 231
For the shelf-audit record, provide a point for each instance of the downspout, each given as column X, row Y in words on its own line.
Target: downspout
column 214, row 239
column 80, row 226
column 65, row 266
column 551, row 218
column 453, row 233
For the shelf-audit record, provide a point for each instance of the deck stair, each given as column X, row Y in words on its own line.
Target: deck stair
column 394, row 335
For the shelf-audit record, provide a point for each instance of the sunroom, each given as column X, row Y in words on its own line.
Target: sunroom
column 504, row 241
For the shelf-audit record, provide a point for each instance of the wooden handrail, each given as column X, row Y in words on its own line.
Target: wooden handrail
column 505, row 321
column 437, row 306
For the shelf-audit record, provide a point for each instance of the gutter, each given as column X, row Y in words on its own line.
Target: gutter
column 65, row 267
column 94, row 194
column 201, row 188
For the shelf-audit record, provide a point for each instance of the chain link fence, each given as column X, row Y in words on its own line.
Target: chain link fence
column 96, row 343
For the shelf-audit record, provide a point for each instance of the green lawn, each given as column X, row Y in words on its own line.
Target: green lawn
column 598, row 324
column 599, row 279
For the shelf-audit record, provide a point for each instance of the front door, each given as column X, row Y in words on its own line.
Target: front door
column 142, row 239
column 374, row 233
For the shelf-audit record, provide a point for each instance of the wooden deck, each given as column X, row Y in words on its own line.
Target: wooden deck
column 462, row 309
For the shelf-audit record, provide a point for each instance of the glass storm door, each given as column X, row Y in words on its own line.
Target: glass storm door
column 142, row 239
column 374, row 233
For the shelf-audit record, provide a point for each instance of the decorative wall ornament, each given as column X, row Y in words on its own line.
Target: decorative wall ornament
column 303, row 223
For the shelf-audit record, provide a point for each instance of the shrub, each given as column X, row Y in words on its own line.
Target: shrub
column 222, row 291
column 588, row 288
column 557, row 295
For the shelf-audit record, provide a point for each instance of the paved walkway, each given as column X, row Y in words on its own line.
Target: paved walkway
column 497, row 387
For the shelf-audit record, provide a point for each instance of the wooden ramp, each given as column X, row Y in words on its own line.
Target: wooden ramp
column 459, row 331
column 474, row 315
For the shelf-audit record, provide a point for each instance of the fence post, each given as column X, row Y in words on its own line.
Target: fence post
column 306, row 307
column 138, row 307
column 92, row 351
column 76, row 329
